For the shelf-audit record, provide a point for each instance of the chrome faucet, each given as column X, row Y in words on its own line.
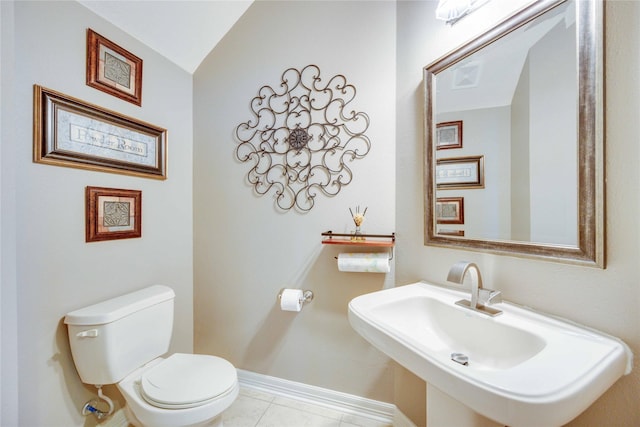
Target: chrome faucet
column 480, row 297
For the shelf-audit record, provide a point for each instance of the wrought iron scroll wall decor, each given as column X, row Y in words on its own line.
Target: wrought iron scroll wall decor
column 301, row 138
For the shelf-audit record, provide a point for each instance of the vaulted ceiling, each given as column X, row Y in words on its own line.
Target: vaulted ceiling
column 184, row 31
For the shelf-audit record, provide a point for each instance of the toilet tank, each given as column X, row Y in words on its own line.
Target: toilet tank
column 111, row 339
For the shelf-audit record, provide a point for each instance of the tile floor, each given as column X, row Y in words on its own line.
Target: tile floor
column 258, row 409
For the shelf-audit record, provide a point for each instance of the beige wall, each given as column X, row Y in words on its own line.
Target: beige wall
column 43, row 238
column 245, row 249
column 609, row 299
column 8, row 289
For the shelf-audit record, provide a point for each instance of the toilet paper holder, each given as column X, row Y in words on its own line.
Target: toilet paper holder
column 307, row 296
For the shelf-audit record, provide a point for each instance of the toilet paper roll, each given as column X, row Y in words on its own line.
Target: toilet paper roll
column 291, row 299
column 366, row 263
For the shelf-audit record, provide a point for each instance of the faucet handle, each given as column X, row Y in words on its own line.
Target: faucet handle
column 489, row 296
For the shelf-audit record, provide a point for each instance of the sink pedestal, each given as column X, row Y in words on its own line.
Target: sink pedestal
column 444, row 411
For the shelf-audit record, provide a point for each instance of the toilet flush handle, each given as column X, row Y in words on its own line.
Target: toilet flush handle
column 90, row 333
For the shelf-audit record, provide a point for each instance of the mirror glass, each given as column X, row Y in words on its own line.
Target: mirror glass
column 514, row 137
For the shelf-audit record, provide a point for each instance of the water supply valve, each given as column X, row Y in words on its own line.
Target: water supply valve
column 91, row 407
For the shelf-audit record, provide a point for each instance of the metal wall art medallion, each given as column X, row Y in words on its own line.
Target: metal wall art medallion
column 301, row 137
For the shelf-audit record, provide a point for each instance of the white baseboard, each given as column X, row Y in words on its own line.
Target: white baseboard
column 343, row 402
column 401, row 420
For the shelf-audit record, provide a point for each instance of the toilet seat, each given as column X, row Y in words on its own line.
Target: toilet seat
column 187, row 380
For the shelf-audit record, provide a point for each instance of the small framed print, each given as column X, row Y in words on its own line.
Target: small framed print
column 448, row 232
column 450, row 210
column 460, row 173
column 112, row 69
column 112, row 213
column 449, row 135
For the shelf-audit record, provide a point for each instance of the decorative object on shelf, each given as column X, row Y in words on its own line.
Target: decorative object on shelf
column 449, row 135
column 450, row 210
column 460, row 172
column 301, row 137
column 70, row 132
column 111, row 214
column 112, row 69
column 358, row 219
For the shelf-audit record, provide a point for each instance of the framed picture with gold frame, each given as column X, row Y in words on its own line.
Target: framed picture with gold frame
column 449, row 135
column 450, row 232
column 73, row 133
column 112, row 69
column 450, row 210
column 112, row 213
column 460, row 173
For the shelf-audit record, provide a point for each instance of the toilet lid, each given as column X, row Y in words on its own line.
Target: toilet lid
column 187, row 380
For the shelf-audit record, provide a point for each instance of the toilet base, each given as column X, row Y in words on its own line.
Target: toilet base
column 216, row 422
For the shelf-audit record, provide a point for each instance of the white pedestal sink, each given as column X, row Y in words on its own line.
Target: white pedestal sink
column 524, row 369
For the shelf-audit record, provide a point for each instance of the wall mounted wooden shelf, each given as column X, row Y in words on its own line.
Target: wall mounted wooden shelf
column 376, row 240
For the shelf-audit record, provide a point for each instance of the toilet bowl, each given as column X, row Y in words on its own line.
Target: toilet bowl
column 183, row 390
column 124, row 341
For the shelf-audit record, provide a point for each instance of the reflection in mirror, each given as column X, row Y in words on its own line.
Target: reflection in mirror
column 514, row 134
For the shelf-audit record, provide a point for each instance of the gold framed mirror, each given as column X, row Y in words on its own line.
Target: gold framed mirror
column 527, row 96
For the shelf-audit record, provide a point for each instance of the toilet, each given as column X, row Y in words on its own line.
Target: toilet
column 124, row 341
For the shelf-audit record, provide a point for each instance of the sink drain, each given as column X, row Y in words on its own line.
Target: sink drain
column 460, row 358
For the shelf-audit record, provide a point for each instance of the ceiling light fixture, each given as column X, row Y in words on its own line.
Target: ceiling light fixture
column 451, row 11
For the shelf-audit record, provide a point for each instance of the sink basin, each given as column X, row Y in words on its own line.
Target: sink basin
column 492, row 345
column 524, row 368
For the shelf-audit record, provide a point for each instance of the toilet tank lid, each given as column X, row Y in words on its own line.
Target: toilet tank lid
column 119, row 307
